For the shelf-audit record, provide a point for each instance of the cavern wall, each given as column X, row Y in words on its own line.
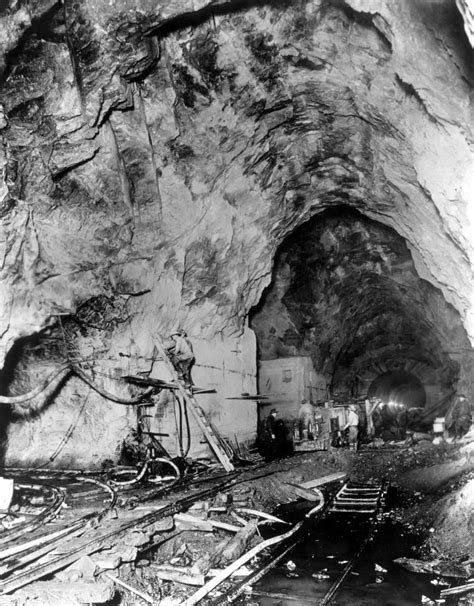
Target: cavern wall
column 155, row 155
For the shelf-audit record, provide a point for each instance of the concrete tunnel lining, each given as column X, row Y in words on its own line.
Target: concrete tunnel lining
column 399, row 388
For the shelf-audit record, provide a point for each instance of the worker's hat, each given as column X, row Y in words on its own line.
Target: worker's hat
column 273, row 411
column 177, row 330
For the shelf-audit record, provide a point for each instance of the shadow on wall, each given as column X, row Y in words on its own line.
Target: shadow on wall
column 6, row 379
column 398, row 387
column 17, row 378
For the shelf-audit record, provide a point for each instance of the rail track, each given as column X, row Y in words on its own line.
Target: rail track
column 56, row 517
column 356, row 502
column 61, row 516
column 76, row 515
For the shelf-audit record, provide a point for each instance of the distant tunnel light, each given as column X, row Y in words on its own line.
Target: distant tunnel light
column 395, row 404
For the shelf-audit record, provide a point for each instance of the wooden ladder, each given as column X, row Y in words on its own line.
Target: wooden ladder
column 196, row 411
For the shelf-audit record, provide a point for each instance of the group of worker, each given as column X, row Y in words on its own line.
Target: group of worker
column 277, row 439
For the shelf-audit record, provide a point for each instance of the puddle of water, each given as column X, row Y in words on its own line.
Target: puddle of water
column 321, row 557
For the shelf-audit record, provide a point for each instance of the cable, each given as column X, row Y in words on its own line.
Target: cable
column 57, row 376
column 158, row 479
column 140, row 473
column 106, row 394
column 188, row 429
column 179, row 426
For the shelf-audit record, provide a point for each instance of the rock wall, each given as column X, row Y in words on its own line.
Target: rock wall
column 155, row 154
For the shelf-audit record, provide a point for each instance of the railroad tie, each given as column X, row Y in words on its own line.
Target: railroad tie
column 357, row 498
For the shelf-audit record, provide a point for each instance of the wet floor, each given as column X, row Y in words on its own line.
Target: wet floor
column 306, row 574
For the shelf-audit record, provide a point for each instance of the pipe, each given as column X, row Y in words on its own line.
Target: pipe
column 224, row 574
column 270, row 562
column 55, row 379
column 94, row 544
column 47, row 514
column 105, row 486
column 107, row 394
column 261, row 514
column 319, row 506
column 142, row 471
column 157, row 479
column 29, row 551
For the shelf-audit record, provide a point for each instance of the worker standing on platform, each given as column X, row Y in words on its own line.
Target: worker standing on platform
column 180, row 351
column 353, row 425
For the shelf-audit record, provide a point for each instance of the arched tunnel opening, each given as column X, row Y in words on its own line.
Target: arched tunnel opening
column 398, row 389
column 350, row 317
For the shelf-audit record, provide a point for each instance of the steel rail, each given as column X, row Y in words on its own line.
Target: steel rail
column 280, row 551
column 96, row 543
column 337, row 584
column 19, row 555
column 50, row 512
column 335, row 587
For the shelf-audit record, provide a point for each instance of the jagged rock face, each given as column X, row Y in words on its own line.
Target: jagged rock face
column 157, row 154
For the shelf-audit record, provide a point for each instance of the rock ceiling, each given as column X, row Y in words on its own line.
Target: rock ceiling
column 155, row 155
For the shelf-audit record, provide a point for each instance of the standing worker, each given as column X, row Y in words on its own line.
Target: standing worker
column 353, row 425
column 181, row 354
column 461, row 416
column 270, row 436
column 306, row 420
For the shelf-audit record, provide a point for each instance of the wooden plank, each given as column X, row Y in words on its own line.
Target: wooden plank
column 457, row 590
column 344, row 502
column 141, row 594
column 303, row 493
column 92, row 543
column 55, row 593
column 203, row 592
column 178, row 574
column 352, row 510
column 346, row 499
column 332, row 477
column 225, row 526
column 185, row 521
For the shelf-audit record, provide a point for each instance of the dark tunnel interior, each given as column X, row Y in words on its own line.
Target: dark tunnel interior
column 398, row 388
column 345, row 291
